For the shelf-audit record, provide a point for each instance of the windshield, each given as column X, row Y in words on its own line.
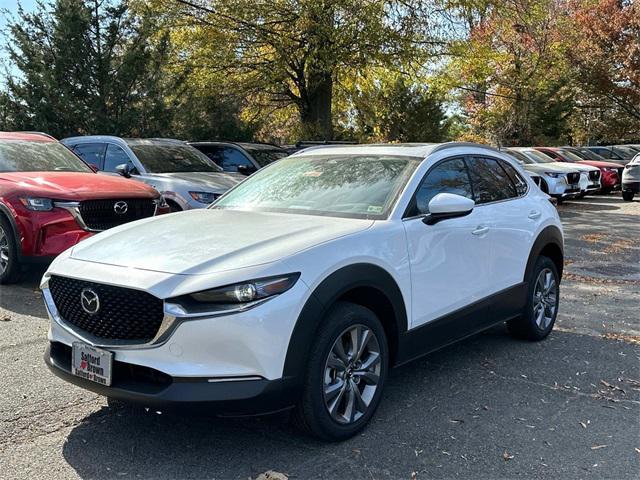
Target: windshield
column 266, row 156
column 625, row 152
column 538, row 157
column 351, row 186
column 160, row 157
column 570, row 156
column 25, row 156
column 589, row 155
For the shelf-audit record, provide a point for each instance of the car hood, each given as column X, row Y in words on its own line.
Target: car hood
column 211, row 181
column 556, row 167
column 76, row 186
column 599, row 164
column 212, row 240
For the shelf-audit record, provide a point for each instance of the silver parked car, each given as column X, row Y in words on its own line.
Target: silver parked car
column 631, row 179
column 184, row 176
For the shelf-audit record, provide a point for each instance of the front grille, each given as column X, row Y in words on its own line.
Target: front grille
column 123, row 313
column 106, row 214
column 594, row 175
column 573, row 177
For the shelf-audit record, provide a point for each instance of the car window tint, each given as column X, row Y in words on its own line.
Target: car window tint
column 232, row 159
column 115, row 156
column 516, row 178
column 92, row 153
column 490, row 181
column 214, row 153
column 449, row 176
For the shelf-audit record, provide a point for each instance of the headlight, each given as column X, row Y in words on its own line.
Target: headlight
column 38, row 204
column 247, row 292
column 204, row 197
column 553, row 174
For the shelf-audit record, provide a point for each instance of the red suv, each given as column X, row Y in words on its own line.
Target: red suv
column 50, row 200
column 610, row 175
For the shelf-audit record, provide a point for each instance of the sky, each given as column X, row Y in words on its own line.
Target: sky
column 9, row 7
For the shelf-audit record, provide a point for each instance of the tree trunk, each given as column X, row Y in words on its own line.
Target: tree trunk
column 315, row 108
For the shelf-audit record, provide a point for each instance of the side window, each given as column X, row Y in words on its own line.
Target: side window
column 449, row 176
column 214, row 153
column 115, row 156
column 519, row 182
column 92, row 153
column 490, row 181
column 232, row 159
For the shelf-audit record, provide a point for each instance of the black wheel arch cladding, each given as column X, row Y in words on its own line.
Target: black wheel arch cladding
column 549, row 243
column 334, row 287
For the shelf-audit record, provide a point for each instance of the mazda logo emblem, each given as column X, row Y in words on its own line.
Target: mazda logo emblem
column 89, row 301
column 120, row 208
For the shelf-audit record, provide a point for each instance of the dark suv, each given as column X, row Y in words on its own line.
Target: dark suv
column 244, row 158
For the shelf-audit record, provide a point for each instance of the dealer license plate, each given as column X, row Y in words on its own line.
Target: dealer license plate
column 91, row 363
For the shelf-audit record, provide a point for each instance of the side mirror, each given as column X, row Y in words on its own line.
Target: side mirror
column 448, row 205
column 124, row 170
column 246, row 169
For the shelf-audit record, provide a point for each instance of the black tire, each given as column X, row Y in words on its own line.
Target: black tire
column 628, row 195
column 173, row 206
column 10, row 267
column 529, row 326
column 606, row 190
column 312, row 413
column 582, row 195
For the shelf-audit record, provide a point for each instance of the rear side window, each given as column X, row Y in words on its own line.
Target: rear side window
column 519, row 182
column 449, row 176
column 490, row 181
column 92, row 153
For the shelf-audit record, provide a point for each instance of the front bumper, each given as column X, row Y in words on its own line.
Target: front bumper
column 151, row 388
column 631, row 187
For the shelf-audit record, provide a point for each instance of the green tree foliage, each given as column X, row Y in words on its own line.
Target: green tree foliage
column 398, row 111
column 88, row 67
column 294, row 53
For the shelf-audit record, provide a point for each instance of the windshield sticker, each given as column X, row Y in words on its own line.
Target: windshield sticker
column 374, row 209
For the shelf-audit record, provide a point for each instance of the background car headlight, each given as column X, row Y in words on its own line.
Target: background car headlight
column 247, row 292
column 203, row 197
column 38, row 204
column 553, row 174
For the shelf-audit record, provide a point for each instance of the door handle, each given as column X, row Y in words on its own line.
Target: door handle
column 480, row 230
column 534, row 214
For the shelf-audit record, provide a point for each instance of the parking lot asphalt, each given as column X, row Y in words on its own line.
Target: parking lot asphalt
column 489, row 407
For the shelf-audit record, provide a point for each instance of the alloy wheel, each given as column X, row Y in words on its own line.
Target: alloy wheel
column 4, row 251
column 545, row 298
column 352, row 374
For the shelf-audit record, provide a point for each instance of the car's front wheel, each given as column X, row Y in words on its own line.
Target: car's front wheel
column 9, row 265
column 346, row 373
column 543, row 297
column 627, row 195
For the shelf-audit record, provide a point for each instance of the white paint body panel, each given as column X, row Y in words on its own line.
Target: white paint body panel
column 438, row 268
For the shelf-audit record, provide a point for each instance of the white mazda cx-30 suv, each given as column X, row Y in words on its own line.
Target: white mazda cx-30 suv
column 304, row 284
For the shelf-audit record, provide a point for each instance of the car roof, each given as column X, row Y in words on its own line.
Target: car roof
column 416, row 150
column 27, row 136
column 249, row 145
column 121, row 140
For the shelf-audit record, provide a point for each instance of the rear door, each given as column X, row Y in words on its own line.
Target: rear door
column 501, row 191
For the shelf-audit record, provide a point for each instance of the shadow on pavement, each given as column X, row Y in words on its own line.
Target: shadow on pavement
column 453, row 413
column 24, row 298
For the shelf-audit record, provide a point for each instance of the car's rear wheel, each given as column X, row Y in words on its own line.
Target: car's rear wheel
column 9, row 264
column 346, row 373
column 627, row 195
column 543, row 297
column 606, row 190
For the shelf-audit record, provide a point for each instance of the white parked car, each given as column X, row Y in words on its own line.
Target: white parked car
column 560, row 180
column 307, row 282
column 631, row 179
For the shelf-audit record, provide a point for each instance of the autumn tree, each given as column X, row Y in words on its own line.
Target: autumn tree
column 293, row 53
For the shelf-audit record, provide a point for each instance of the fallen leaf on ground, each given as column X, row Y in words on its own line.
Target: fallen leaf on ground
column 507, row 456
column 584, row 425
column 271, row 475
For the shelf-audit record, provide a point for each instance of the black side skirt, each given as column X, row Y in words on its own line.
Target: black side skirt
column 462, row 323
